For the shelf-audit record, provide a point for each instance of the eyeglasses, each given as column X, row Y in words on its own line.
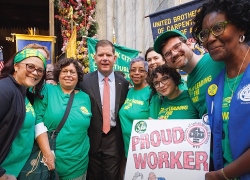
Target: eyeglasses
column 31, row 68
column 175, row 48
column 67, row 72
column 164, row 80
column 216, row 30
column 139, row 70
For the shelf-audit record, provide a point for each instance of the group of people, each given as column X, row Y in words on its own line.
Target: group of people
column 94, row 141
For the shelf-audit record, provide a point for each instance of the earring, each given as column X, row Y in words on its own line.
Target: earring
column 242, row 38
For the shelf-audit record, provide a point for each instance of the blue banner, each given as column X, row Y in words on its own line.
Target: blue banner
column 23, row 40
column 178, row 17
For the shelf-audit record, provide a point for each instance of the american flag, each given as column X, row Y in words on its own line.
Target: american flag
column 1, row 60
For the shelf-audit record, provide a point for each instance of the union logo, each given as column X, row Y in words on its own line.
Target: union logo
column 141, row 127
column 244, row 94
column 197, row 135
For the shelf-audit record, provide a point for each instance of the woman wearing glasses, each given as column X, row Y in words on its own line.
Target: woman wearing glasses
column 154, row 60
column 223, row 28
column 176, row 103
column 136, row 105
column 17, row 117
column 72, row 143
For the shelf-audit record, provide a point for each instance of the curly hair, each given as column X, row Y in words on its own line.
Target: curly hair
column 66, row 62
column 164, row 69
column 236, row 11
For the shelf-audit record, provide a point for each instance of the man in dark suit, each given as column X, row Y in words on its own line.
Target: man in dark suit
column 107, row 91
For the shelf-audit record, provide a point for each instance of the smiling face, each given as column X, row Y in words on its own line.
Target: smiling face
column 154, row 60
column 105, row 59
column 26, row 78
column 222, row 47
column 167, row 89
column 137, row 73
column 180, row 59
column 68, row 77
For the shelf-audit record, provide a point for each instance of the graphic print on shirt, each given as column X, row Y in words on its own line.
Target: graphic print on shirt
column 84, row 110
column 195, row 90
column 129, row 102
column 30, row 108
column 166, row 112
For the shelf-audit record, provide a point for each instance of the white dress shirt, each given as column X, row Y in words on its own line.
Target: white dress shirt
column 111, row 82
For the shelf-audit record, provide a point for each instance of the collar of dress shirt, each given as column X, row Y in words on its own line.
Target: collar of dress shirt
column 101, row 77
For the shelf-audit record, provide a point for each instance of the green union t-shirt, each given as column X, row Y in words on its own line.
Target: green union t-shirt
column 136, row 106
column 197, row 81
column 156, row 101
column 180, row 107
column 22, row 145
column 72, row 142
column 226, row 149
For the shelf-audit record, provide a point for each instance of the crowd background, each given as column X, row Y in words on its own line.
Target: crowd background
column 93, row 142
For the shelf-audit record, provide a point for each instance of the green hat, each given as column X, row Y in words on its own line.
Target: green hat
column 166, row 35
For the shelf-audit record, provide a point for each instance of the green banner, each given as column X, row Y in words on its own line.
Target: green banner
column 124, row 56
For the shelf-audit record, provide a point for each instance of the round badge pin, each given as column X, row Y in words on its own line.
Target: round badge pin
column 205, row 119
column 212, row 89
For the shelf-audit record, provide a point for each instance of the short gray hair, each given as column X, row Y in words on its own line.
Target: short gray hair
column 138, row 59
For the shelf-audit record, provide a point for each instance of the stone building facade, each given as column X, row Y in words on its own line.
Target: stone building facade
column 127, row 19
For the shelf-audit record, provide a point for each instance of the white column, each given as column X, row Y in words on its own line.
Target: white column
column 110, row 20
column 129, row 21
column 148, row 39
column 139, row 25
column 101, row 18
column 120, row 24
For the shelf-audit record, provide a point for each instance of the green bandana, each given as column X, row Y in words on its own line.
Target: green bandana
column 26, row 53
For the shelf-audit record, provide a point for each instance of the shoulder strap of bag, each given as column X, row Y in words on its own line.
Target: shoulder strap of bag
column 59, row 127
column 66, row 114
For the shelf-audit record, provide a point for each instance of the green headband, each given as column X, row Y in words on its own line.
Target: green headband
column 26, row 53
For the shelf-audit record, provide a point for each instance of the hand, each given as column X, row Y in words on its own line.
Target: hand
column 3, row 177
column 160, row 118
column 214, row 175
column 10, row 177
column 49, row 160
column 150, row 118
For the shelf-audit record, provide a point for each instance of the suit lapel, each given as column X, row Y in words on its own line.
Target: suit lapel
column 118, row 90
column 95, row 87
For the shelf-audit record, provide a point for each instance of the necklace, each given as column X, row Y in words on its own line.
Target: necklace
column 232, row 90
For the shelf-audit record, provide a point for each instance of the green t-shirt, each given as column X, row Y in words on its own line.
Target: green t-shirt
column 180, row 107
column 156, row 101
column 22, row 145
column 227, row 154
column 136, row 106
column 72, row 143
column 197, row 81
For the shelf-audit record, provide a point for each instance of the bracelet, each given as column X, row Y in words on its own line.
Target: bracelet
column 224, row 175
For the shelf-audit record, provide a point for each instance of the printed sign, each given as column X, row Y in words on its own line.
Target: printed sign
column 168, row 150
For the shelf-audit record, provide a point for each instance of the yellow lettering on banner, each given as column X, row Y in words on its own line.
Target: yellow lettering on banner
column 162, row 22
column 225, row 115
column 190, row 29
column 184, row 31
column 94, row 65
column 117, row 54
column 160, row 30
column 92, row 56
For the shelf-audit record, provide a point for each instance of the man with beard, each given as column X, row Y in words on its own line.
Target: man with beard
column 201, row 69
